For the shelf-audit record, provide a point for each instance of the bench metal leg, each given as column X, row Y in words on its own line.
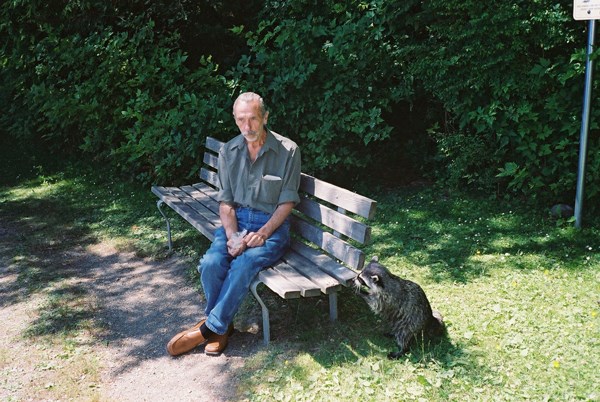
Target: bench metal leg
column 159, row 203
column 265, row 313
column 333, row 315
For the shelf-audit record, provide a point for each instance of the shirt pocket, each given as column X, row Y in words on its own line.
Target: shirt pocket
column 270, row 188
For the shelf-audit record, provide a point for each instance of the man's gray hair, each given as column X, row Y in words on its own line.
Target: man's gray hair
column 250, row 97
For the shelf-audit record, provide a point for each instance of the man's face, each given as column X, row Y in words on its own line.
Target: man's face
column 249, row 120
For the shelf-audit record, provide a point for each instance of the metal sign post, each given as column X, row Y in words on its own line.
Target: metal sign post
column 585, row 10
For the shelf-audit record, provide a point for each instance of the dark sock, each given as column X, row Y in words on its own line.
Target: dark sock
column 206, row 332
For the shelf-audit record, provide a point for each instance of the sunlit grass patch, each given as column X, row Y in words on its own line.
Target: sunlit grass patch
column 518, row 292
column 62, row 369
column 512, row 335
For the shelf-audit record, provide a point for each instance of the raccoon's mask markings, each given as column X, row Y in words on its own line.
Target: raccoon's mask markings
column 369, row 285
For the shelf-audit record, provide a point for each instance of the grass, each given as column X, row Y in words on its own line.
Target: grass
column 520, row 294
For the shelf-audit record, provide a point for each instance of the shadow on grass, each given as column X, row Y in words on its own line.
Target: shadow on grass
column 447, row 235
column 354, row 343
column 36, row 237
column 66, row 311
column 357, row 333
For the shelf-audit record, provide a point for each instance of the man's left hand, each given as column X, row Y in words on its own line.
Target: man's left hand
column 255, row 239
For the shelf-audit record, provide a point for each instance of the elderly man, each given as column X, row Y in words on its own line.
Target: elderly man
column 259, row 175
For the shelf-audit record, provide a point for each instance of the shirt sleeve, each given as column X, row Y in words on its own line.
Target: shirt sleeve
column 291, row 179
column 225, row 192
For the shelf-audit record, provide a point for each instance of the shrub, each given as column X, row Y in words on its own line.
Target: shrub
column 121, row 93
column 511, row 78
column 329, row 72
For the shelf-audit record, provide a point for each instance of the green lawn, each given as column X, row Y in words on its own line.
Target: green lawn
column 520, row 292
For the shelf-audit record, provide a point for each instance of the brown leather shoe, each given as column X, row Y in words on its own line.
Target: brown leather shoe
column 217, row 343
column 186, row 340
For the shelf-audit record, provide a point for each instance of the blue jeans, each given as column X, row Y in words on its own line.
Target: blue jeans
column 226, row 280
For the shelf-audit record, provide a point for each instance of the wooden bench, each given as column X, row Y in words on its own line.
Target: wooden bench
column 326, row 229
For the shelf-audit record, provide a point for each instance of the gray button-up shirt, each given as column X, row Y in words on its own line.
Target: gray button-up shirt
column 272, row 179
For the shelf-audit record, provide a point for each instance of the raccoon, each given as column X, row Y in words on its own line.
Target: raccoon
column 401, row 303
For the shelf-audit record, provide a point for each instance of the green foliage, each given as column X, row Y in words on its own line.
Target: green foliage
column 512, row 80
column 370, row 85
column 169, row 116
column 120, row 93
column 373, row 91
column 459, row 155
column 330, row 76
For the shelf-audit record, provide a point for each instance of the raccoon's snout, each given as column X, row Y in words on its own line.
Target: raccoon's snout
column 361, row 286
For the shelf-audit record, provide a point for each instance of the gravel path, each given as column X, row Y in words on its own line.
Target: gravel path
column 145, row 304
column 142, row 304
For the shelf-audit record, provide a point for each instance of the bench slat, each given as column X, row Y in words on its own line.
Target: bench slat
column 195, row 201
column 190, row 214
column 304, row 267
column 213, row 144
column 208, row 190
column 279, row 284
column 338, row 196
column 335, row 220
column 211, row 193
column 337, row 247
column 210, row 177
column 341, row 273
column 211, row 160
column 306, row 286
column 209, row 203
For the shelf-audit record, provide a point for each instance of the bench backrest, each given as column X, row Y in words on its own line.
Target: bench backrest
column 328, row 216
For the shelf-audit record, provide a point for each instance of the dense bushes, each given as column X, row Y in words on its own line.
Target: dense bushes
column 511, row 78
column 118, row 89
column 498, row 91
column 382, row 91
column 328, row 89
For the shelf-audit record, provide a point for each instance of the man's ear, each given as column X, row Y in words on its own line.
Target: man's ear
column 265, row 118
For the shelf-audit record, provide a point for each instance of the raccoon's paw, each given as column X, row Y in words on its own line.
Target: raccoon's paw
column 395, row 355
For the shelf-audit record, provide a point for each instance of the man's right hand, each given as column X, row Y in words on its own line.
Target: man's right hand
column 236, row 245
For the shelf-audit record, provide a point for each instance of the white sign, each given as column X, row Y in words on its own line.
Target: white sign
column 586, row 9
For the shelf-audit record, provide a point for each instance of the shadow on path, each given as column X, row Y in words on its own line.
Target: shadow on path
column 143, row 304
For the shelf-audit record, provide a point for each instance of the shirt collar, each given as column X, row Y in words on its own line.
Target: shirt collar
column 270, row 142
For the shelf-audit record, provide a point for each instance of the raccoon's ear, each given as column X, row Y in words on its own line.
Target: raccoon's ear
column 375, row 259
column 375, row 278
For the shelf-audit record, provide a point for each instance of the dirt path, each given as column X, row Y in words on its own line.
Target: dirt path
column 142, row 304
